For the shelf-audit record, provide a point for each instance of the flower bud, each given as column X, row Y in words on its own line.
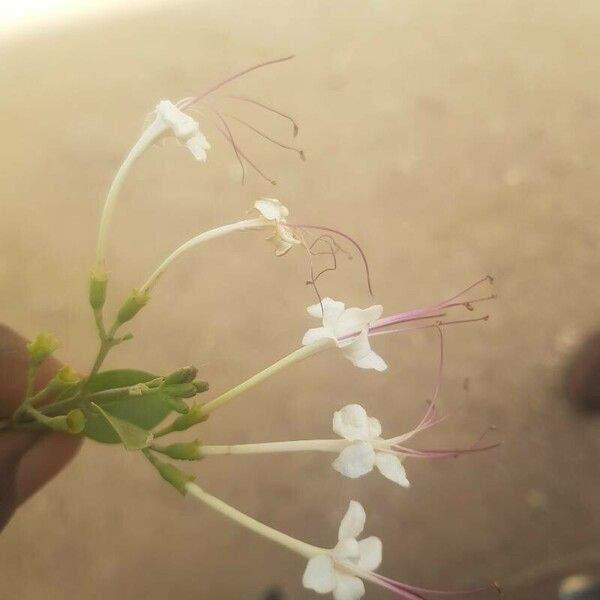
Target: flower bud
column 184, row 375
column 178, row 405
column 181, row 451
column 97, row 288
column 73, row 422
column 40, row 348
column 134, row 303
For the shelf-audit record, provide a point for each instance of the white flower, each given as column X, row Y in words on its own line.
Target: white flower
column 169, row 119
column 274, row 214
column 327, row 573
column 349, row 329
column 359, row 458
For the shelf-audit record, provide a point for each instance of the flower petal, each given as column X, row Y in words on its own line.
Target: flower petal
column 355, row 319
column 353, row 522
column 351, row 422
column 348, row 588
column 319, row 574
column 358, row 351
column 314, row 335
column 332, row 311
column 355, row 460
column 391, row 467
column 326, row 306
column 370, row 553
column 198, row 145
column 271, row 209
column 374, row 428
column 347, row 549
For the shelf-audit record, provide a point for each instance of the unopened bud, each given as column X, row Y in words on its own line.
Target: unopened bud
column 134, row 303
column 73, row 422
column 40, row 348
column 178, row 405
column 184, row 375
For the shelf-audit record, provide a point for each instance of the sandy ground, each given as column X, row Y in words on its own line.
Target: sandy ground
column 453, row 139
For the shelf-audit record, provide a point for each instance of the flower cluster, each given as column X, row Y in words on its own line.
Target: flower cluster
column 128, row 407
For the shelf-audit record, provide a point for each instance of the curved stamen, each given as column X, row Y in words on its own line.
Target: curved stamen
column 192, row 100
column 267, row 108
column 262, row 134
column 346, row 237
column 229, row 138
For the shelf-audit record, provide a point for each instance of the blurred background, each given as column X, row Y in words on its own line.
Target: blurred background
column 452, row 139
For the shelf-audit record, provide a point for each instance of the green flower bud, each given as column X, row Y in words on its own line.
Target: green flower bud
column 178, row 479
column 184, row 375
column 134, row 303
column 201, row 386
column 73, row 422
column 40, row 348
column 180, row 390
column 67, row 376
column 181, row 451
column 97, row 288
column 179, row 405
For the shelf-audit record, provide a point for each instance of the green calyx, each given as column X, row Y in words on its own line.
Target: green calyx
column 97, row 289
column 134, row 303
column 181, row 451
column 171, row 474
column 73, row 422
column 40, row 348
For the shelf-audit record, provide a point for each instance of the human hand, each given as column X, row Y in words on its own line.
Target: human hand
column 27, row 459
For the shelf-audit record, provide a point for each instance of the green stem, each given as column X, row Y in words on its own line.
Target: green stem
column 31, row 371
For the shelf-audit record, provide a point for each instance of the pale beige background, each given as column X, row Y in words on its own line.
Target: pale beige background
column 454, row 139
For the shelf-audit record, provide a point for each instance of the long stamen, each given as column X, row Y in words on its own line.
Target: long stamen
column 262, row 134
column 400, row 586
column 448, row 303
column 189, row 101
column 269, row 109
column 226, row 132
column 346, row 237
column 245, row 157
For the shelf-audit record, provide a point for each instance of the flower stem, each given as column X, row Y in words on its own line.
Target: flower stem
column 277, row 447
column 31, row 371
column 148, row 137
column 302, row 548
column 286, row 361
column 195, row 241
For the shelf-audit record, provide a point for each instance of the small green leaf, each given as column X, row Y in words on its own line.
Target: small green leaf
column 132, row 436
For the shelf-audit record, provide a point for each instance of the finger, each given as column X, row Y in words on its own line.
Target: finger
column 27, row 460
column 13, row 370
column 42, row 461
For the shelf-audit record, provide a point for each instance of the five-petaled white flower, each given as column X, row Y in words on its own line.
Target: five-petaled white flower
column 171, row 120
column 332, row 571
column 368, row 449
column 274, row 214
column 348, row 328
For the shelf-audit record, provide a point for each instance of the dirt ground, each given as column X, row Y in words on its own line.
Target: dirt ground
column 453, row 139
